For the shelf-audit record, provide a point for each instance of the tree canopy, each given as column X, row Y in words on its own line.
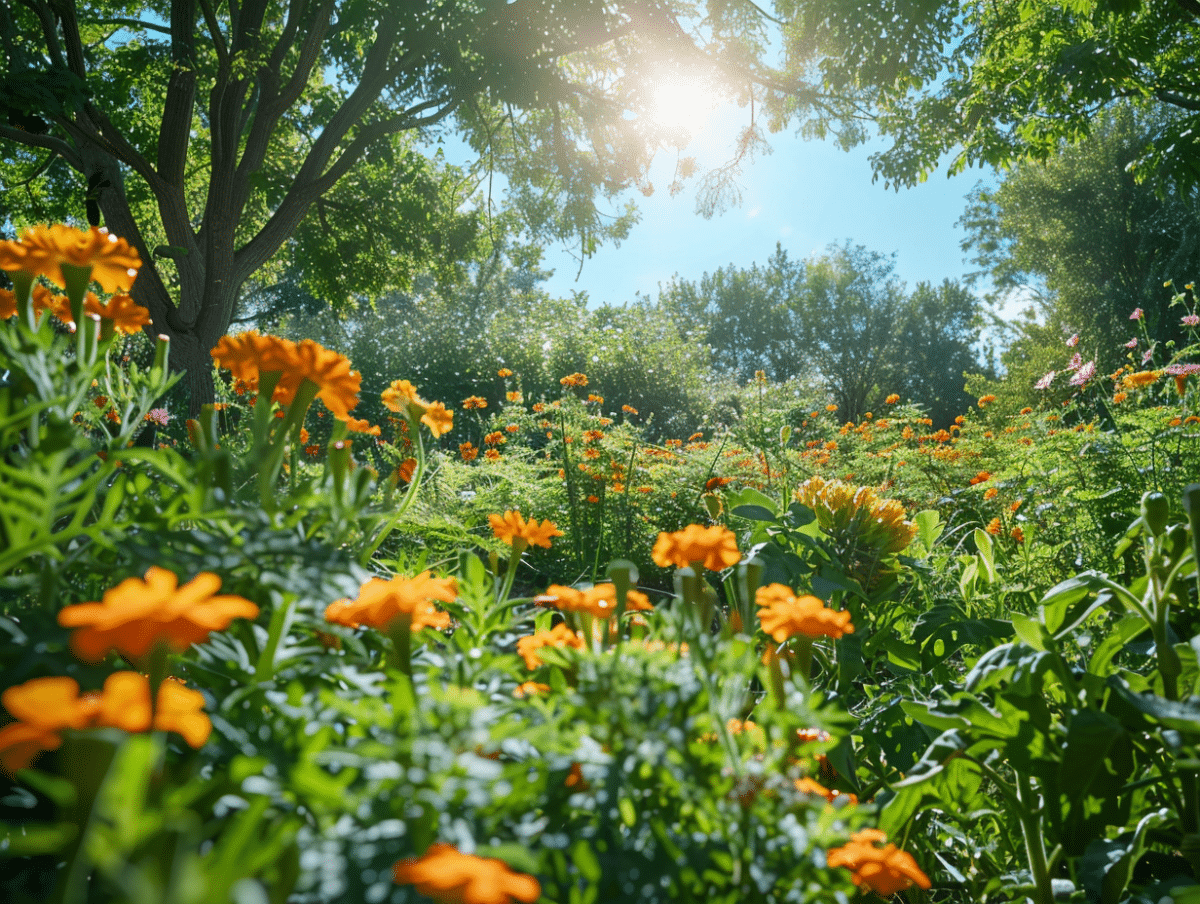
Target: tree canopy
column 991, row 83
column 216, row 136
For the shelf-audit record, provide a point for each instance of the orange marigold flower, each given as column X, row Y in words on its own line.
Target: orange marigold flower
column 125, row 704
column 399, row 394
column 994, row 527
column 599, row 601
column 450, row 877
column 629, row 409
column 492, row 455
column 530, row 689
column 43, row 250
column 715, row 547
column 714, row 483
column 495, row 438
column 558, row 636
column 831, row 407
column 593, row 499
column 1017, row 534
column 354, row 425
column 126, row 315
column 380, row 602
column 468, row 451
column 8, row 304
column 784, row 615
column 406, row 470
column 43, row 707
column 312, row 450
column 513, row 396
column 593, row 436
column 599, row 400
column 575, row 379
column 438, row 418
column 538, row 407
column 892, row 399
column 474, row 402
column 504, row 372
column 511, row 526
column 137, row 614
column 991, row 493
column 981, row 477
column 986, row 400
column 884, row 870
column 337, row 384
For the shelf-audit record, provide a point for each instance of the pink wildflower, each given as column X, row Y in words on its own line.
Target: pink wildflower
column 1073, row 341
column 1085, row 373
column 1191, row 320
column 1044, row 382
column 1132, row 343
column 1137, row 314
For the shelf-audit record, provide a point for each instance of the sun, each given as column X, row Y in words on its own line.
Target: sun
column 681, row 102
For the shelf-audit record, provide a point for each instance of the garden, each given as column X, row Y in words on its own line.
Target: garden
column 293, row 655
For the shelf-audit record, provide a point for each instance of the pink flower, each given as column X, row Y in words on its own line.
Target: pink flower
column 159, row 416
column 1076, row 362
column 1137, row 314
column 1085, row 373
column 1191, row 320
column 1146, row 358
column 1073, row 341
column 1181, row 370
column 1132, row 343
column 1044, row 382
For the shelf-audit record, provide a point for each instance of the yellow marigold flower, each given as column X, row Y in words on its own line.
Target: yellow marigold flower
column 530, row 689
column 381, row 602
column 575, row 379
column 468, row 451
column 715, row 547
column 511, row 526
column 43, row 250
column 1141, row 378
column 884, row 871
column 137, row 614
column 450, row 877
column 538, row 407
column 994, row 527
column 831, row 407
column 513, row 396
column 558, row 636
column 127, row 316
column 784, row 615
column 474, row 402
column 504, row 372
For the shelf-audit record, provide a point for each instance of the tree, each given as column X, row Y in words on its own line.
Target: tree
column 995, row 82
column 222, row 138
column 1088, row 243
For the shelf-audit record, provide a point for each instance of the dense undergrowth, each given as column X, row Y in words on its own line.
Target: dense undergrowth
column 523, row 652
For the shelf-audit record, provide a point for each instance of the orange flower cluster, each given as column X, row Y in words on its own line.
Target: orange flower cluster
column 139, row 614
column 450, row 877
column 474, row 402
column 715, row 547
column 892, row 399
column 986, row 400
column 981, row 477
column 1140, row 379
column 247, row 355
column 495, row 438
column 558, row 636
column 44, row 250
column 381, row 602
column 530, row 689
column 574, row 380
column 511, row 526
column 784, row 615
column 468, row 451
column 884, row 870
column 45, row 707
column 599, row 601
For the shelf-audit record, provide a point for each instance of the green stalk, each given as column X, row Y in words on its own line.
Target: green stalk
column 1030, row 816
column 409, row 495
column 264, row 669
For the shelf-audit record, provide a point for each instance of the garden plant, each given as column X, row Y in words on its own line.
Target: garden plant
column 528, row 650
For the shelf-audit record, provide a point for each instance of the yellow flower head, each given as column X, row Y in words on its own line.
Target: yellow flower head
column 438, row 418
column 137, row 614
column 381, row 602
column 511, row 526
column 784, row 615
column 715, row 547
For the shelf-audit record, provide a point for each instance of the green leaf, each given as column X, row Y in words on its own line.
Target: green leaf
column 30, row 840
column 986, row 554
column 753, row 513
column 929, row 527
column 748, row 496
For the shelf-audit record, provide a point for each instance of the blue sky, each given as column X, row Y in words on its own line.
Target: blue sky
column 806, row 195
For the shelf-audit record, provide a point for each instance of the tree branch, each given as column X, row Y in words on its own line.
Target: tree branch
column 134, row 23
column 46, row 142
column 1178, row 100
column 174, row 132
column 49, row 30
column 214, row 31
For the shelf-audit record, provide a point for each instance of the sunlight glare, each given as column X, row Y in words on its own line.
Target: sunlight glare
column 681, row 104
